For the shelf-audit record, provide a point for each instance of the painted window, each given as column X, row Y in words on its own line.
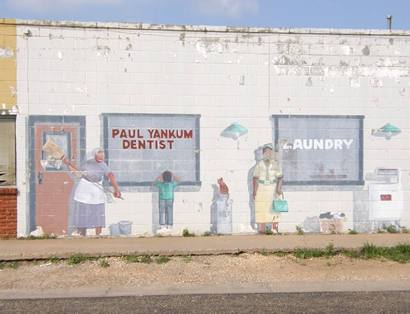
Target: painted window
column 7, row 150
column 139, row 147
column 320, row 150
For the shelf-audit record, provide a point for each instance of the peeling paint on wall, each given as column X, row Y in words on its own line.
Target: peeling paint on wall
column 103, row 50
column 207, row 46
column 309, row 82
column 347, row 50
column 6, row 53
column 366, row 51
column 8, row 75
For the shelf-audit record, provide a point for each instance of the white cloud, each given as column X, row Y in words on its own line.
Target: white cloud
column 56, row 5
column 230, row 8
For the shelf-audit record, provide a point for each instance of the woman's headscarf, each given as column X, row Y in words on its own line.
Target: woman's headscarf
column 94, row 152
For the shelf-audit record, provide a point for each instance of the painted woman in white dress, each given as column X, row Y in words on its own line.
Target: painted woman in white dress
column 89, row 195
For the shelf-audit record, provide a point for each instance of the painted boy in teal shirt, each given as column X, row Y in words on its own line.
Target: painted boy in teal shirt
column 166, row 184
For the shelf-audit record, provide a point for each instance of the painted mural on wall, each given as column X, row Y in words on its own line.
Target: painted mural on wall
column 327, row 173
column 69, row 187
column 141, row 146
column 166, row 184
column 267, row 187
column 90, row 194
column 320, row 150
column 69, row 192
column 51, row 183
column 221, row 209
column 381, row 205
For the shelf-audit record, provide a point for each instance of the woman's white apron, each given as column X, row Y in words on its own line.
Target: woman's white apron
column 89, row 192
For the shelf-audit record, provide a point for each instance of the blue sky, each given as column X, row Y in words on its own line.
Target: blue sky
column 260, row 13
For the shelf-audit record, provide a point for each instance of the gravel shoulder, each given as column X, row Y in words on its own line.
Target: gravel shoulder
column 252, row 271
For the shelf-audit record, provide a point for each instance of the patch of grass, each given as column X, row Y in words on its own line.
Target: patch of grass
column 381, row 231
column 351, row 253
column 308, row 253
column 187, row 259
column 207, row 234
column 186, row 233
column 145, row 259
column 131, row 258
column 12, row 265
column 330, row 250
column 399, row 253
column 54, row 260
column 44, row 237
column 392, row 229
column 78, row 259
column 404, row 230
column 104, row 263
column 264, row 252
column 351, row 231
column 372, row 251
column 311, row 253
column 162, row 259
column 299, row 230
column 268, row 231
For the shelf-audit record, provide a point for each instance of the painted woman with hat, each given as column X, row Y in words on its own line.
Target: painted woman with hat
column 267, row 186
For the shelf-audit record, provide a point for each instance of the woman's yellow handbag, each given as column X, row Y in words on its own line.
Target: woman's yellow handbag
column 280, row 205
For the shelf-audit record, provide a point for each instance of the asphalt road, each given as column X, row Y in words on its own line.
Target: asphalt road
column 318, row 302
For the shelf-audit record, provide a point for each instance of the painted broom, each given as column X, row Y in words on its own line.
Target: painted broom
column 55, row 151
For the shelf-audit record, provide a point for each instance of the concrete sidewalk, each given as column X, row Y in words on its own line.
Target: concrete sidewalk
column 63, row 248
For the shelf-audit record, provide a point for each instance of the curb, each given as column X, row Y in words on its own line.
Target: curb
column 278, row 287
column 25, row 250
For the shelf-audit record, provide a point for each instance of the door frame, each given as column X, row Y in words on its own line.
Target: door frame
column 32, row 120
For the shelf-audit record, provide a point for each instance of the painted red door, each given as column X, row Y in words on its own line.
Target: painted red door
column 52, row 182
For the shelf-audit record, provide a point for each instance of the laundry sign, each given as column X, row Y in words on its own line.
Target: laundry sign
column 316, row 144
column 139, row 147
column 320, row 150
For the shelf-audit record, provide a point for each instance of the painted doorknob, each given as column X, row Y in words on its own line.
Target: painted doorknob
column 40, row 177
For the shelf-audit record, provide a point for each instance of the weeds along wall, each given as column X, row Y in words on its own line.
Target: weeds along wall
column 203, row 128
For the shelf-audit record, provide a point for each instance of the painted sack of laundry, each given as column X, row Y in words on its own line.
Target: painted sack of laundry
column 332, row 222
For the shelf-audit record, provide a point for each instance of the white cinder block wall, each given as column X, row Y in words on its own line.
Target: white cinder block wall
column 225, row 75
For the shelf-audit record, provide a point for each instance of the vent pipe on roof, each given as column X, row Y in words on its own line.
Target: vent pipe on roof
column 389, row 21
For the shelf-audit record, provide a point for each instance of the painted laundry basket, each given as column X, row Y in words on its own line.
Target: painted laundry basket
column 121, row 228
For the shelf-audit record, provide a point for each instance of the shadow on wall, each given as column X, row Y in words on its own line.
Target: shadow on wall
column 258, row 155
column 221, row 209
column 155, row 209
column 214, row 209
column 250, row 195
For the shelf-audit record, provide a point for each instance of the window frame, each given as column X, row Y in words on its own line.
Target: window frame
column 197, row 182
column 11, row 118
column 359, row 182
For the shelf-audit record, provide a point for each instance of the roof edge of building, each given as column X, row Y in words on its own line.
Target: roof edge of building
column 202, row 28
